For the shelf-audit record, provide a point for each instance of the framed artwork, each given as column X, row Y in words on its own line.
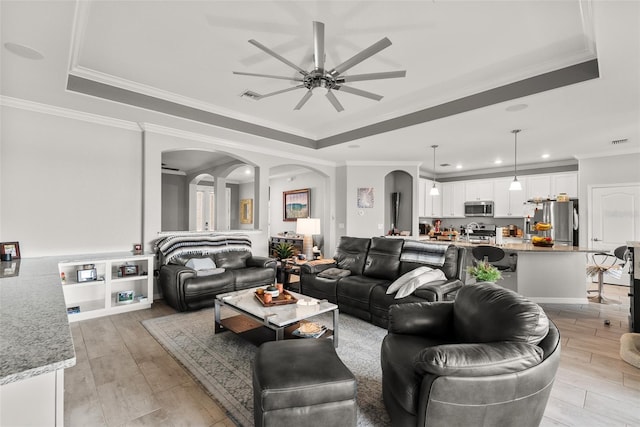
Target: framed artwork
column 12, row 248
column 246, row 211
column 296, row 204
column 365, row 197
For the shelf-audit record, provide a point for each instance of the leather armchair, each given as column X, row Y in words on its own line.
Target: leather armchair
column 488, row 358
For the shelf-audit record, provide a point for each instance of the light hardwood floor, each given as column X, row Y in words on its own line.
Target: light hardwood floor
column 124, row 377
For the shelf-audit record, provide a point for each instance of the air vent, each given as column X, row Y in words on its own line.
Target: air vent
column 251, row 94
column 619, row 141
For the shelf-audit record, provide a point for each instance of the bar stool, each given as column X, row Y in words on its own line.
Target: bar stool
column 602, row 262
column 492, row 254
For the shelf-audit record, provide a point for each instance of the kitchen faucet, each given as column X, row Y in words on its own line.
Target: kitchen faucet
column 469, row 229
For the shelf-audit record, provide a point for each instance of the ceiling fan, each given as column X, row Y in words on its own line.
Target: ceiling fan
column 332, row 80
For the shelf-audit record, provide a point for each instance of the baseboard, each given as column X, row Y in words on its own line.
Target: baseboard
column 544, row 300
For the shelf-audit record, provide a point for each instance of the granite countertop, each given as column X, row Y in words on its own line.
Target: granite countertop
column 516, row 247
column 35, row 337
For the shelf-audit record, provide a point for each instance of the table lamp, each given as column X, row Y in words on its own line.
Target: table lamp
column 308, row 227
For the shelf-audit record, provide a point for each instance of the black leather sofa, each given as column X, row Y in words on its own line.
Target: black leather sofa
column 374, row 264
column 186, row 288
column 489, row 358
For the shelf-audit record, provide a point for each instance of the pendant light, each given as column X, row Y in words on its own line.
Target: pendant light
column 515, row 184
column 434, row 190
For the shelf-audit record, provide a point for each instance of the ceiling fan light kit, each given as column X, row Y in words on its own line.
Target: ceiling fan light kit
column 332, row 80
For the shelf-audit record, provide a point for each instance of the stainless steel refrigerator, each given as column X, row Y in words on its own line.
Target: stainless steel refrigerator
column 563, row 217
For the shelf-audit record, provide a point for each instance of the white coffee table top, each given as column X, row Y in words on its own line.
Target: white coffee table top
column 277, row 315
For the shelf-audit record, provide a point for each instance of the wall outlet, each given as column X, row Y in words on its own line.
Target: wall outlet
column 380, row 226
column 341, row 225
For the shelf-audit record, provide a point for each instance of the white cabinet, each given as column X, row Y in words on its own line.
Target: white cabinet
column 453, row 198
column 422, row 200
column 479, row 190
column 508, row 203
column 429, row 206
column 538, row 186
column 433, row 204
column 120, row 283
column 564, row 183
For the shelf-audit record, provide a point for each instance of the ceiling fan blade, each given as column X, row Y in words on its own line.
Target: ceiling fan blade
column 334, row 101
column 359, row 57
column 289, row 89
column 318, row 45
column 269, row 76
column 372, row 76
column 304, row 100
column 360, row 92
column 278, row 57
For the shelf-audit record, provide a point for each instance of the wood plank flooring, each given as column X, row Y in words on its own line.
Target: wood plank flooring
column 123, row 377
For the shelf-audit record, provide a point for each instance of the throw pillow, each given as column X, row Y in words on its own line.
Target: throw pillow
column 402, row 280
column 334, row 273
column 205, row 263
column 413, row 284
column 474, row 360
column 209, row 272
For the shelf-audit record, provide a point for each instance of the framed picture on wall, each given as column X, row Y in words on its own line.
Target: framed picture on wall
column 246, row 211
column 10, row 248
column 296, row 204
column 365, row 197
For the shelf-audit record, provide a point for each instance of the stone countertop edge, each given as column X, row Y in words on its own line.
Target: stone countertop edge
column 518, row 247
column 35, row 337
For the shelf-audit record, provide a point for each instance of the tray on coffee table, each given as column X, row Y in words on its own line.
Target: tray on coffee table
column 281, row 299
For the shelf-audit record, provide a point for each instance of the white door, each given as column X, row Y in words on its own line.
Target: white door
column 615, row 219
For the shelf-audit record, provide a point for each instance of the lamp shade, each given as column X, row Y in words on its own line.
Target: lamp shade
column 515, row 185
column 307, row 226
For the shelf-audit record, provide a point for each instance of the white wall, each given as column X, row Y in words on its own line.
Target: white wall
column 175, row 203
column 368, row 222
column 297, row 181
column 69, row 186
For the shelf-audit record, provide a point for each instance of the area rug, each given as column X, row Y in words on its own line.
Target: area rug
column 222, row 362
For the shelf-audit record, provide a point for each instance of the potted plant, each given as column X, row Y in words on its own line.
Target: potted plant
column 485, row 272
column 283, row 250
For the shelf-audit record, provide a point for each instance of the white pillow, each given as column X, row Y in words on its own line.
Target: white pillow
column 402, row 280
column 209, row 272
column 416, row 282
column 201, row 263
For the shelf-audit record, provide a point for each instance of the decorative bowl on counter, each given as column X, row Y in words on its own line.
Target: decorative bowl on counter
column 541, row 241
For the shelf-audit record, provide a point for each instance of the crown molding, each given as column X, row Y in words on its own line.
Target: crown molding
column 37, row 107
column 163, row 130
column 111, row 80
column 381, row 163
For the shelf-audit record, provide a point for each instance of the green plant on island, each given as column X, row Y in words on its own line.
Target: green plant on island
column 485, row 272
column 283, row 250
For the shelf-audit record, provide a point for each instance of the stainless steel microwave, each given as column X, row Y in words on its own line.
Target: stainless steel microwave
column 479, row 208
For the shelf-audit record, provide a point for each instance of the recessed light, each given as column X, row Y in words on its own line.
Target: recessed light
column 458, row 166
column 516, row 107
column 545, row 156
column 23, row 51
column 247, row 171
column 497, row 162
column 353, row 146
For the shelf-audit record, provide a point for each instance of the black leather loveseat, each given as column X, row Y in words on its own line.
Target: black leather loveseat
column 489, row 358
column 373, row 265
column 196, row 268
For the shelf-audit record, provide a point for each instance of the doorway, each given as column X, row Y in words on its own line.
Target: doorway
column 614, row 220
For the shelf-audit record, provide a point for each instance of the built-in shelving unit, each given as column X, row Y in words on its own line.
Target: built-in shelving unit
column 112, row 284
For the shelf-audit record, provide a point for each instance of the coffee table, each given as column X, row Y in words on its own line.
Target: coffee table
column 278, row 317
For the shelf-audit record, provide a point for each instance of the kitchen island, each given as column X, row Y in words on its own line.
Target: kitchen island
column 555, row 274
column 35, row 343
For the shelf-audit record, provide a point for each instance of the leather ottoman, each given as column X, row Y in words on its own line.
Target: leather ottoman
column 302, row 382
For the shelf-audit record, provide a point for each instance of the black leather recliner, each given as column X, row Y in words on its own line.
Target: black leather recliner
column 488, row 358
